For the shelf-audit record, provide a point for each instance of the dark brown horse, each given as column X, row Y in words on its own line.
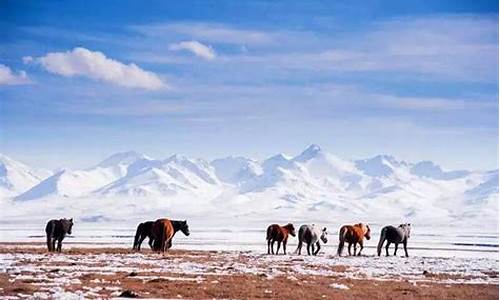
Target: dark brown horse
column 163, row 232
column 56, row 230
column 144, row 230
column 353, row 235
column 277, row 233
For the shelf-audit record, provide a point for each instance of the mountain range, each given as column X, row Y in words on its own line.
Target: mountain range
column 312, row 182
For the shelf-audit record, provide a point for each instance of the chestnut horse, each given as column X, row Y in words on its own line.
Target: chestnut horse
column 277, row 233
column 353, row 235
column 164, row 230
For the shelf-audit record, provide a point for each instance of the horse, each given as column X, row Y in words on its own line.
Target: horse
column 353, row 235
column 56, row 230
column 311, row 235
column 164, row 230
column 143, row 231
column 277, row 233
column 398, row 235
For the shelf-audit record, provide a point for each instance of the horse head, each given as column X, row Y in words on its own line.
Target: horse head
column 184, row 228
column 323, row 237
column 291, row 229
column 406, row 228
column 367, row 232
column 67, row 225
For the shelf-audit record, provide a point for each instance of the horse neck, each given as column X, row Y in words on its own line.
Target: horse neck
column 176, row 225
column 286, row 228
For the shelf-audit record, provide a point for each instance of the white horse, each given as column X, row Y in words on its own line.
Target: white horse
column 311, row 234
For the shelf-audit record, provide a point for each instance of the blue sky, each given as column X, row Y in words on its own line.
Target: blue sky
column 81, row 80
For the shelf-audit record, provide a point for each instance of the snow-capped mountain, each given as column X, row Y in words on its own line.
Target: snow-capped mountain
column 16, row 177
column 68, row 183
column 312, row 182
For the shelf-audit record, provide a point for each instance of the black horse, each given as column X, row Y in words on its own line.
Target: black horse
column 56, row 230
column 395, row 235
column 143, row 230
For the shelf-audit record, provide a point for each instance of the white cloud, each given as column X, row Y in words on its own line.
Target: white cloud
column 196, row 48
column 95, row 65
column 8, row 77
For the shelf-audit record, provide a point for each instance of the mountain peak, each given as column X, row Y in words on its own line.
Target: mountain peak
column 127, row 158
column 310, row 152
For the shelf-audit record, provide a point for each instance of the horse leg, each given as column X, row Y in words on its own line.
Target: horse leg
column 308, row 248
column 299, row 247
column 312, row 249
column 319, row 247
column 387, row 248
column 349, row 248
column 354, row 249
column 268, row 246
column 284, row 247
column 272, row 247
column 49, row 243
column 54, row 244
column 395, row 248
column 278, row 249
column 360, row 248
column 59, row 245
column 406, row 250
column 151, row 245
column 139, row 243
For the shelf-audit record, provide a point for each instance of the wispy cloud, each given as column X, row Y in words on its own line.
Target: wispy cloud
column 212, row 32
column 95, row 65
column 9, row 77
column 194, row 47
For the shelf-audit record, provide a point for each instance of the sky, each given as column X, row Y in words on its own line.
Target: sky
column 81, row 80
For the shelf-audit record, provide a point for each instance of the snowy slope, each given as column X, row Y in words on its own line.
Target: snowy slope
column 16, row 177
column 67, row 183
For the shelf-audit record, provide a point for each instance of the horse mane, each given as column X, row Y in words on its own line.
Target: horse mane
column 176, row 224
column 288, row 226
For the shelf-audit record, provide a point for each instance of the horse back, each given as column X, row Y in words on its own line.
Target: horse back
column 163, row 228
column 394, row 234
column 53, row 228
column 276, row 232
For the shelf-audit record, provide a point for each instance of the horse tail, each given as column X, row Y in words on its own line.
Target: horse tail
column 342, row 233
column 299, row 246
column 269, row 233
column 163, row 233
column 381, row 241
column 49, row 230
column 137, row 236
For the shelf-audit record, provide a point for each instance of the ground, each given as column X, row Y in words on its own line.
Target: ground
column 29, row 272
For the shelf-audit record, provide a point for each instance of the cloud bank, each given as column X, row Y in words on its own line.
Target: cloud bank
column 95, row 65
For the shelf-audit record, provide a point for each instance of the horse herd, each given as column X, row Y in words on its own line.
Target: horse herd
column 162, row 231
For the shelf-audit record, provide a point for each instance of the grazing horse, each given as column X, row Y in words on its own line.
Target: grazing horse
column 311, row 235
column 164, row 230
column 398, row 235
column 56, row 230
column 144, row 230
column 353, row 235
column 277, row 233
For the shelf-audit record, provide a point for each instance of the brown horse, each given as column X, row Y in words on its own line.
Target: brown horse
column 163, row 232
column 277, row 233
column 353, row 235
